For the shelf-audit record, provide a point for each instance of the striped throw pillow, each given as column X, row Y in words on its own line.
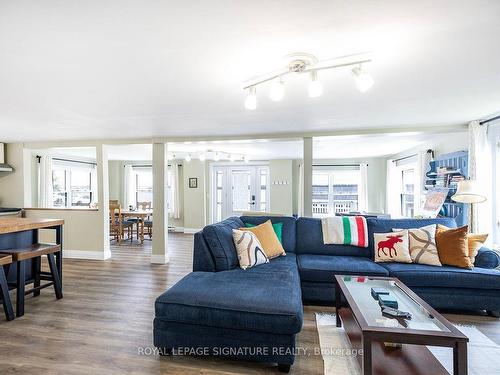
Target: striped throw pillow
column 345, row 230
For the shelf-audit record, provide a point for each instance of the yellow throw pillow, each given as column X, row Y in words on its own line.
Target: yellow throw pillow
column 452, row 246
column 268, row 239
column 474, row 242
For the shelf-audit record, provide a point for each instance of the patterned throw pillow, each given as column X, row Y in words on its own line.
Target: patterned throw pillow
column 249, row 249
column 392, row 247
column 423, row 247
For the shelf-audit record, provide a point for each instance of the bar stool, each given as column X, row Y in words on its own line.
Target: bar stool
column 35, row 252
column 4, row 288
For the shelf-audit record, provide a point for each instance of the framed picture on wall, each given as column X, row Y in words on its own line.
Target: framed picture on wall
column 193, row 182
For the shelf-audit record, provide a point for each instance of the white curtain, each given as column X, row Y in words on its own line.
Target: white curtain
column 128, row 186
column 422, row 167
column 45, row 192
column 93, row 185
column 175, row 194
column 393, row 203
column 300, row 191
column 480, row 169
column 363, row 188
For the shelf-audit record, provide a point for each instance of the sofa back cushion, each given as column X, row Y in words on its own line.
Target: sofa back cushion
column 310, row 241
column 219, row 237
column 310, row 235
column 288, row 231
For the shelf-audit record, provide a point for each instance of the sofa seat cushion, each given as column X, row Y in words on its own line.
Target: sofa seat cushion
column 422, row 275
column 322, row 268
column 219, row 238
column 236, row 299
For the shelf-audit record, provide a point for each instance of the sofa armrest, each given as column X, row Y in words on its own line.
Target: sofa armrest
column 487, row 258
column 202, row 256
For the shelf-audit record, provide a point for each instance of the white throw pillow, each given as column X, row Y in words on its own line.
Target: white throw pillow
column 249, row 249
column 392, row 247
column 423, row 249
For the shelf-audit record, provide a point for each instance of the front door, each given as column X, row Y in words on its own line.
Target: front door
column 237, row 189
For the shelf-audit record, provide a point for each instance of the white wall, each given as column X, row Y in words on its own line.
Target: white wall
column 15, row 187
column 115, row 169
column 195, row 202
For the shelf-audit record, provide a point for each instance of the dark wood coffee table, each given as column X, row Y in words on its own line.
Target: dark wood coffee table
column 365, row 324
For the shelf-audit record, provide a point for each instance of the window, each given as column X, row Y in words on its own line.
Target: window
column 143, row 184
column 72, row 184
column 335, row 190
column 408, row 192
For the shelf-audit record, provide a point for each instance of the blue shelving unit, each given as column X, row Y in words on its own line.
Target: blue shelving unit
column 458, row 161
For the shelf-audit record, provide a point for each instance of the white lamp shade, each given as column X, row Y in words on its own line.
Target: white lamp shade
column 468, row 192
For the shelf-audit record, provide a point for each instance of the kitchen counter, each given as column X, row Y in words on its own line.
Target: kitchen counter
column 17, row 224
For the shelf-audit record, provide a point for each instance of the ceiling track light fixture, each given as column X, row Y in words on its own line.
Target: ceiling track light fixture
column 315, row 86
column 362, row 79
column 210, row 155
column 277, row 91
column 300, row 63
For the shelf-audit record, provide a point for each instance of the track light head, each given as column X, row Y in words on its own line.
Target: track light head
column 216, row 156
column 363, row 80
column 202, row 157
column 188, row 157
column 277, row 90
column 315, row 86
column 251, row 100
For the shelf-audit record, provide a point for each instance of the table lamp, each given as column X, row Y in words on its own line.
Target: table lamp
column 468, row 192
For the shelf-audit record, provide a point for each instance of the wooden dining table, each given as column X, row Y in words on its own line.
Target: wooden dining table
column 141, row 215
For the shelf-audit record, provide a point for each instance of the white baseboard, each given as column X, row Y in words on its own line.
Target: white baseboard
column 88, row 255
column 159, row 259
column 178, row 229
column 191, row 230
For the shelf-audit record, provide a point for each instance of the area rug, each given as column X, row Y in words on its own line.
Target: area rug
column 340, row 359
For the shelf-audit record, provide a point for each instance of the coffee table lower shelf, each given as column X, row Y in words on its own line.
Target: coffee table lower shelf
column 408, row 360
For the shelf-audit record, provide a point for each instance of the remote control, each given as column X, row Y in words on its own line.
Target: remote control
column 396, row 313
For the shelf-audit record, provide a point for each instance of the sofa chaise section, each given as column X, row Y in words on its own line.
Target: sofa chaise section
column 252, row 314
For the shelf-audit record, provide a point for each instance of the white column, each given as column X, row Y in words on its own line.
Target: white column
column 159, row 254
column 103, row 197
column 308, row 166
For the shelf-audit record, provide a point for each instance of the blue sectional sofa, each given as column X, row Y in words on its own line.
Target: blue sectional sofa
column 254, row 314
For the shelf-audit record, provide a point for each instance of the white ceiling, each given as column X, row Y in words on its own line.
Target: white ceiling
column 337, row 147
column 127, row 69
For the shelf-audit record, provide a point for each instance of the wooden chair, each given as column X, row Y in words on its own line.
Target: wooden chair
column 117, row 225
column 148, row 223
column 4, row 287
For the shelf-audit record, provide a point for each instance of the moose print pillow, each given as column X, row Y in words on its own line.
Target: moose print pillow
column 392, row 247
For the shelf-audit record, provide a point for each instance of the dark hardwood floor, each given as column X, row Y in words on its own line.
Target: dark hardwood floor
column 105, row 320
